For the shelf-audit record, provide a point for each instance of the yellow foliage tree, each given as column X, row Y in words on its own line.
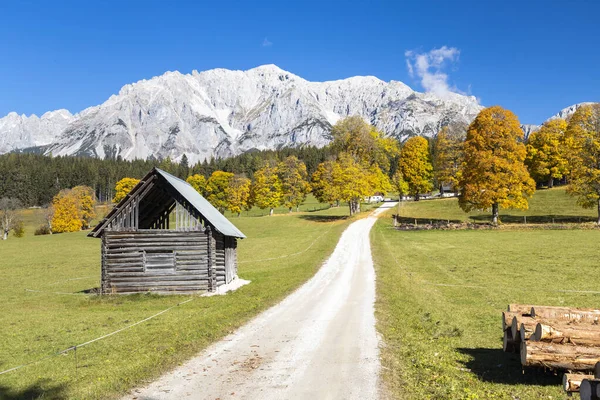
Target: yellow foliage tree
column 582, row 140
column 323, row 187
column 415, row 167
column 294, row 183
column 123, row 187
column 217, row 188
column 267, row 190
column 448, row 156
column 545, row 156
column 353, row 181
column 238, row 195
column 198, row 182
column 494, row 173
column 85, row 200
column 66, row 213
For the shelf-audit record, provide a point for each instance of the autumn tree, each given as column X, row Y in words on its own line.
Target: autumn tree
column 86, row 204
column 216, row 189
column 582, row 139
column 545, row 156
column 238, row 195
column 9, row 218
column 267, row 188
column 415, row 166
column 294, row 183
column 448, row 156
column 66, row 214
column 494, row 173
column 123, row 187
column 355, row 137
column 322, row 183
column 352, row 180
column 198, row 182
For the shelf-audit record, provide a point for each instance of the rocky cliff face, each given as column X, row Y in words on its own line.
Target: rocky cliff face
column 222, row 112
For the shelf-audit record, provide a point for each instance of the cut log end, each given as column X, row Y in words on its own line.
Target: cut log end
column 572, row 382
column 508, row 344
column 589, row 389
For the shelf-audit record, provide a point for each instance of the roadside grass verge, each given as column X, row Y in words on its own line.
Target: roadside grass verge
column 45, row 309
column 439, row 299
column 546, row 206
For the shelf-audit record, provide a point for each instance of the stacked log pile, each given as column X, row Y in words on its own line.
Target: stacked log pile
column 557, row 338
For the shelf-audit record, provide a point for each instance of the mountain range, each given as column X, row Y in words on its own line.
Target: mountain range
column 220, row 112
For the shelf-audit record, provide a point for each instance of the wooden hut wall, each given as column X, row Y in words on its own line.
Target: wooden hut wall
column 220, row 258
column 231, row 266
column 158, row 261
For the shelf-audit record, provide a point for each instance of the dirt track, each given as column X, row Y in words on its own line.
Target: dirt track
column 318, row 343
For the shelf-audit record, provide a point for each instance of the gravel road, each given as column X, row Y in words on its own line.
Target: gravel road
column 318, row 343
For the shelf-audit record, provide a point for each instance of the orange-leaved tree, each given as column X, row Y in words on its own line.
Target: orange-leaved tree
column 494, row 174
column 545, row 152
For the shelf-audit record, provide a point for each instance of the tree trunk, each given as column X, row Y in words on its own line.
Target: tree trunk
column 417, row 197
column 495, row 214
column 566, row 314
column 598, row 221
column 559, row 356
column 550, row 183
column 578, row 334
column 290, row 211
column 297, row 208
column 5, row 235
column 270, row 212
column 572, row 382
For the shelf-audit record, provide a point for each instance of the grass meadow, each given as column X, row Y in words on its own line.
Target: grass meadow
column 45, row 308
column 440, row 295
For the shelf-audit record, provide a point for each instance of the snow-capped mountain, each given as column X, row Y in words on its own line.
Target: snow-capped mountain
column 564, row 114
column 221, row 112
column 20, row 131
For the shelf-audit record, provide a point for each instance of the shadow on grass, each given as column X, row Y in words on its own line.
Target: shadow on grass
column 537, row 219
column 39, row 390
column 496, row 366
column 324, row 218
column 424, row 221
column 94, row 290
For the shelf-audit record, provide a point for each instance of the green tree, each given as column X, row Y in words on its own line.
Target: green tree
column 294, row 183
column 415, row 167
column 267, row 190
column 217, row 188
column 494, row 173
column 545, row 152
column 582, row 140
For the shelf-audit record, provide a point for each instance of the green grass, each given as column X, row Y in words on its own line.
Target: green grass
column 44, row 311
column 440, row 295
column 546, row 205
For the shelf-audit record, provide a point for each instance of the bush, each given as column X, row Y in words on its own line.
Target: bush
column 19, row 229
column 42, row 230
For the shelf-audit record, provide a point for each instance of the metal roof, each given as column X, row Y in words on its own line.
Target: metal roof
column 202, row 205
column 184, row 189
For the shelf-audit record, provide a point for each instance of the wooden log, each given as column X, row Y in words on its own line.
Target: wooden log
column 589, row 388
column 507, row 317
column 559, row 356
column 509, row 345
column 516, row 326
column 578, row 334
column 519, row 308
column 526, row 330
column 597, row 370
column 572, row 382
column 565, row 313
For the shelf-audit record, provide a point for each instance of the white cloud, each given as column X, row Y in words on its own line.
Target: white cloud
column 429, row 66
column 267, row 43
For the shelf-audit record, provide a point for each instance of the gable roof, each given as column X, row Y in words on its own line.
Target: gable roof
column 189, row 194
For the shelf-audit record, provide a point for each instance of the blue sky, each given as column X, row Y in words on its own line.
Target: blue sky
column 533, row 57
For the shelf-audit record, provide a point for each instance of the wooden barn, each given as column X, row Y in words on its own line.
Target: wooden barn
column 164, row 237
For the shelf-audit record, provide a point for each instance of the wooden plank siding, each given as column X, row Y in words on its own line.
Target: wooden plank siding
column 161, row 261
